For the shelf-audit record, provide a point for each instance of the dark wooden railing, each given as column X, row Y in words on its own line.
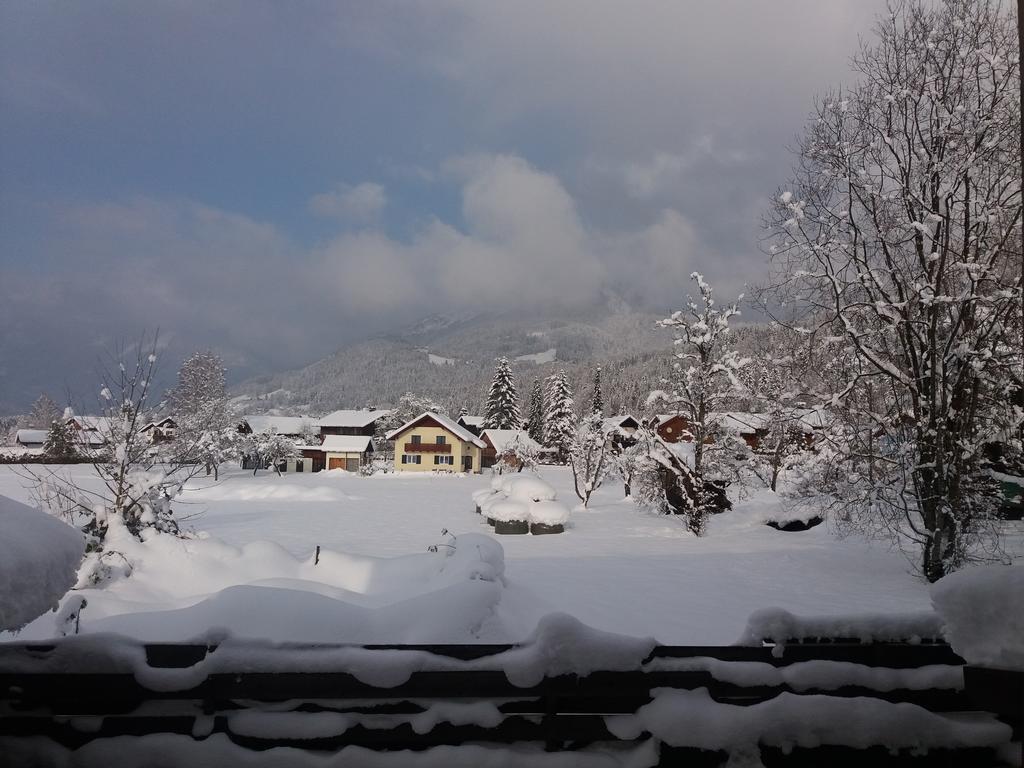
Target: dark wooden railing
column 46, row 691
column 428, row 447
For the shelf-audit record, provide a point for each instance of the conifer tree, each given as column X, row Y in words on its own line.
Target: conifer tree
column 60, row 440
column 559, row 418
column 536, row 414
column 598, row 404
column 502, row 401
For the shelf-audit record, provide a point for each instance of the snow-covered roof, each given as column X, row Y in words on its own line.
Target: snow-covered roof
column 30, row 436
column 283, row 425
column 472, row 421
column 503, row 439
column 614, row 423
column 353, row 419
column 346, row 444
column 165, row 422
column 93, row 423
column 460, row 432
column 740, row 422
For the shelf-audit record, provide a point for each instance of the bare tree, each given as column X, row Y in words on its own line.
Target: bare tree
column 703, row 373
column 899, row 237
column 137, row 484
column 589, row 456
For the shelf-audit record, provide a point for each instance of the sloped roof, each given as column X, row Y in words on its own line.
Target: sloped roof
column 613, row 423
column 741, row 422
column 29, row 436
column 350, row 418
column 503, row 439
column 472, row 421
column 284, row 425
column 460, row 432
column 346, row 444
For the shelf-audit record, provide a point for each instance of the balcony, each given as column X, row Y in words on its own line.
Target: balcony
column 428, row 448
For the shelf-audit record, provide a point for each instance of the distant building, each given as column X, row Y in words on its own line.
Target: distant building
column 474, row 424
column 433, row 442
column 348, row 452
column 500, row 447
column 671, row 427
column 162, row 431
column 287, row 426
column 345, row 422
column 30, row 438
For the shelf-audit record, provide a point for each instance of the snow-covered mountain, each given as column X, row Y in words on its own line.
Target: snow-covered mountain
column 451, row 359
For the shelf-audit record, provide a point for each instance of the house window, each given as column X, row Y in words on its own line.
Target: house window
column 416, row 439
column 444, row 459
column 441, row 440
column 413, row 458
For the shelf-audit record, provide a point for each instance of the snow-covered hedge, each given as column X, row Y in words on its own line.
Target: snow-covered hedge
column 39, row 558
column 982, row 611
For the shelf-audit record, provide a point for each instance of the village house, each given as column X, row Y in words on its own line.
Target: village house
column 30, row 438
column 348, row 422
column 620, row 430
column 286, row 426
column 501, row 447
column 348, row 452
column 92, row 432
column 162, row 431
column 671, row 427
column 432, row 442
column 474, row 424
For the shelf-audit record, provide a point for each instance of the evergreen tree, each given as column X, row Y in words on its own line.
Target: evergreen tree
column 598, row 405
column 536, row 426
column 559, row 418
column 60, row 440
column 44, row 412
column 502, row 401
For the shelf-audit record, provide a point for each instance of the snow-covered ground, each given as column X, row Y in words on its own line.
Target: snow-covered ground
column 616, row 568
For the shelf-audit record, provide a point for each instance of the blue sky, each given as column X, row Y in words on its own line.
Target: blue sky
column 274, row 179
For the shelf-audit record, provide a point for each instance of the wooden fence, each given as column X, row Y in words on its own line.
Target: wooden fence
column 79, row 701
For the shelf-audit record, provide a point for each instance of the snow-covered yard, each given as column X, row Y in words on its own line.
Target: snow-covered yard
column 617, row 568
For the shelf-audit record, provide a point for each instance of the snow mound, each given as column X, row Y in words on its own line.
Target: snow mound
column 982, row 610
column 778, row 626
column 528, row 488
column 521, row 497
column 791, row 720
column 39, row 558
column 204, row 589
column 563, row 645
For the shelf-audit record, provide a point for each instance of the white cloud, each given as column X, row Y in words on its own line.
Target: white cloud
column 363, row 202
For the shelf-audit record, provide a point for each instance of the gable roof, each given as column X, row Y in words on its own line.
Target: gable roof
column 350, row 418
column 503, row 439
column 347, row 443
column 285, row 425
column 472, row 421
column 460, row 432
column 31, row 436
column 613, row 423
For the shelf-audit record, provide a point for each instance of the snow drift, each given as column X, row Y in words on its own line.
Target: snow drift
column 39, row 557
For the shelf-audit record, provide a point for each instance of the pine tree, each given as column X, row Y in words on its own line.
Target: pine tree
column 60, row 440
column 536, row 426
column 502, row 401
column 44, row 412
column 559, row 418
column 598, row 405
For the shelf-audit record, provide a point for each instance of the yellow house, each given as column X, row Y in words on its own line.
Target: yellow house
column 432, row 442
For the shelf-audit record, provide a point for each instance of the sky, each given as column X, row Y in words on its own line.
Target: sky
column 273, row 180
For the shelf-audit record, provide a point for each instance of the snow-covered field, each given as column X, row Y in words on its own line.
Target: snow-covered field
column 617, row 568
